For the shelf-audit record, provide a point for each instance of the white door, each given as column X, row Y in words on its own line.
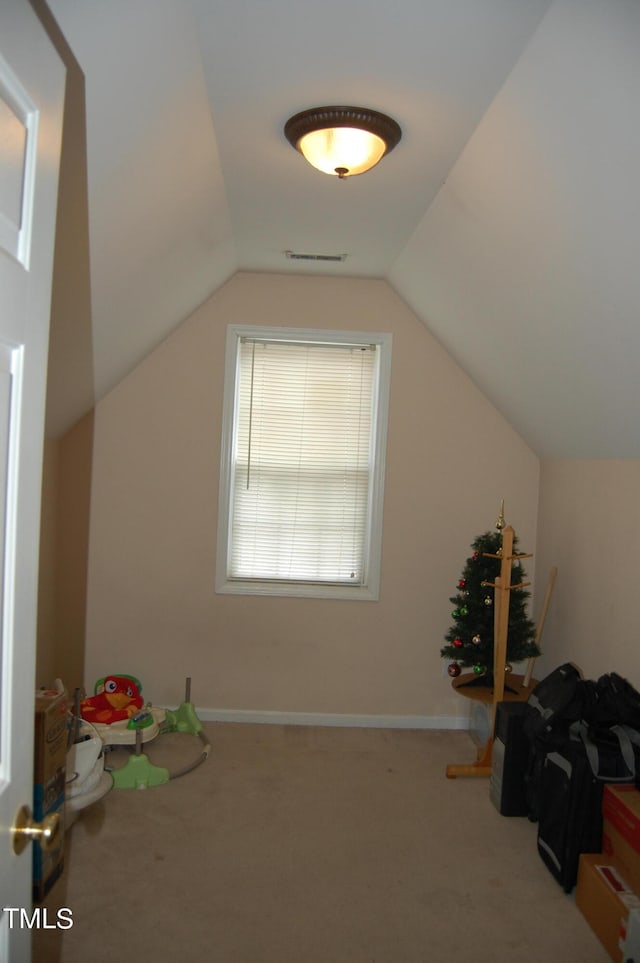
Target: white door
column 32, row 80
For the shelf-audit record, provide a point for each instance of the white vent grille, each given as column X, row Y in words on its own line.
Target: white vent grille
column 293, row 256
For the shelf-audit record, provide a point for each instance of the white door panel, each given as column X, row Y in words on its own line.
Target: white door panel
column 31, row 101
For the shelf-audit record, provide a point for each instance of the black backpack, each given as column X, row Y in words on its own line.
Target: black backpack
column 561, row 698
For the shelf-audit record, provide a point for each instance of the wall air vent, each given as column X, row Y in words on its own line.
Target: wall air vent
column 293, row 256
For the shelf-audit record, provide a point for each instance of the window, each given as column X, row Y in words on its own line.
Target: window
column 302, row 463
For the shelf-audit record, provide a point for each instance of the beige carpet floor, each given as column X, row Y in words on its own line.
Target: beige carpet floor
column 311, row 845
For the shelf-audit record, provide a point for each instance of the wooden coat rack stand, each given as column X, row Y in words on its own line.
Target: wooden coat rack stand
column 519, row 686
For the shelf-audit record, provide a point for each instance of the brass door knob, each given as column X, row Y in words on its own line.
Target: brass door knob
column 25, row 828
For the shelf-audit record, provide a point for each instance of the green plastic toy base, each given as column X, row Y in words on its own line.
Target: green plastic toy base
column 183, row 719
column 139, row 773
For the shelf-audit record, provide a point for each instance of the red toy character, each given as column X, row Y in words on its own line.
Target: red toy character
column 118, row 697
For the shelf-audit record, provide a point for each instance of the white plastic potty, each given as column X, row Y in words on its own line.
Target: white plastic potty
column 86, row 779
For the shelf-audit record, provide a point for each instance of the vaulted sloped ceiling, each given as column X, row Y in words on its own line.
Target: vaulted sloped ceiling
column 508, row 217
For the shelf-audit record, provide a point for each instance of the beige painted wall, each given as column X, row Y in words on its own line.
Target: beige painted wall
column 64, row 541
column 67, row 456
column 46, row 669
column 152, row 610
column 589, row 527
column 72, row 549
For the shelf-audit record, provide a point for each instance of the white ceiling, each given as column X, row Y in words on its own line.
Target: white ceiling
column 508, row 216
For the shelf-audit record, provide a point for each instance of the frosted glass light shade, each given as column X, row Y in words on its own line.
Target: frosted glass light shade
column 342, row 149
column 342, row 141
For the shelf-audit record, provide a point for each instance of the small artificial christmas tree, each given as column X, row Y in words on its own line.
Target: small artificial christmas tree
column 470, row 639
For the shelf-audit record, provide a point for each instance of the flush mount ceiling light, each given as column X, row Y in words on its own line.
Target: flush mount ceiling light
column 342, row 141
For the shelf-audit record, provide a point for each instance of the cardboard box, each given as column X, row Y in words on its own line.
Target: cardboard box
column 50, row 736
column 621, row 830
column 605, row 899
column 49, row 784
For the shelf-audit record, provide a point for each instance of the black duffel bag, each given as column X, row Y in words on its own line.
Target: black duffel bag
column 618, row 703
column 571, row 786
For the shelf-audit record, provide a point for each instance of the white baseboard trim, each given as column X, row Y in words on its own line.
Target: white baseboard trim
column 333, row 719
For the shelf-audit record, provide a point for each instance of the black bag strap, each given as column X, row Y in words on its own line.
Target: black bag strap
column 544, row 712
column 627, row 738
column 628, row 733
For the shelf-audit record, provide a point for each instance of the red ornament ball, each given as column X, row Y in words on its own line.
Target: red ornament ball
column 458, row 643
column 454, row 669
column 462, row 583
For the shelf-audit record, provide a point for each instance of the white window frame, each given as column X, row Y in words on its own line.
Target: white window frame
column 370, row 588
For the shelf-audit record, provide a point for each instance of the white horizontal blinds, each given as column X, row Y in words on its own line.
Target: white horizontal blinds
column 302, row 461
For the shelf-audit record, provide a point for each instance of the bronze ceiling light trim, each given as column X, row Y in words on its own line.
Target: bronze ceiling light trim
column 342, row 141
